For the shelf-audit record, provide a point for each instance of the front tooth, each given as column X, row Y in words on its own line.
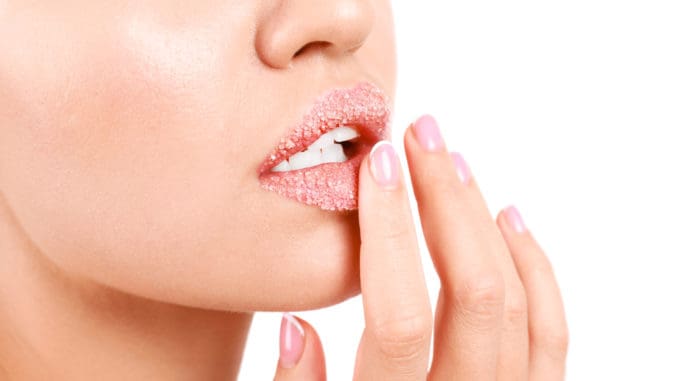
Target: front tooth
column 305, row 159
column 325, row 140
column 284, row 166
column 339, row 134
column 343, row 133
column 333, row 154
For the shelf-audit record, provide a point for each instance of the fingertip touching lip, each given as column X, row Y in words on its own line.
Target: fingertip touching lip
column 364, row 107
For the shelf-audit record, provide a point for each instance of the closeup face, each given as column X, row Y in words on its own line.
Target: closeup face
column 133, row 135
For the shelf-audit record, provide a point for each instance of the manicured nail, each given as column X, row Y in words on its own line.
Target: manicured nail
column 384, row 165
column 463, row 171
column 291, row 341
column 515, row 219
column 428, row 134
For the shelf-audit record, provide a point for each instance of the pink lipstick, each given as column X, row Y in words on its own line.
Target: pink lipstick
column 330, row 185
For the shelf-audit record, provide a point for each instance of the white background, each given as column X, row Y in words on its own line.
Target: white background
column 568, row 109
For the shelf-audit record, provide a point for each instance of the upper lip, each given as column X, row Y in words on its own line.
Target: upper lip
column 364, row 107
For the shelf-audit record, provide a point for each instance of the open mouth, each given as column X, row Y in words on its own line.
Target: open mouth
column 317, row 162
column 335, row 146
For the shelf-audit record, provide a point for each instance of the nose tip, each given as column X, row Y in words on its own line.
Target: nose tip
column 297, row 28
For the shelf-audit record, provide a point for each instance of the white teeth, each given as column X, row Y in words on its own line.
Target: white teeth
column 305, row 159
column 325, row 140
column 343, row 134
column 323, row 150
column 284, row 166
column 333, row 154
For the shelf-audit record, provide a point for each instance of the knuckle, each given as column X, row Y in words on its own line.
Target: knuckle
column 481, row 297
column 396, row 232
column 554, row 341
column 515, row 309
column 394, row 239
column 404, row 339
column 393, row 235
column 438, row 187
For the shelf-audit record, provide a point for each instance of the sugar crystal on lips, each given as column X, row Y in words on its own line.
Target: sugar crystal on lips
column 331, row 185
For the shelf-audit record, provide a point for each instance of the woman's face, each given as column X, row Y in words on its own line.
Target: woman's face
column 132, row 135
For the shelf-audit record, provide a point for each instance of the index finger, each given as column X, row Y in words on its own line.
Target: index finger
column 398, row 318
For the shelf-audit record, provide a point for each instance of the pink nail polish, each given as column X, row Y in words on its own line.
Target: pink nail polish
column 463, row 171
column 384, row 165
column 428, row 134
column 291, row 341
column 515, row 219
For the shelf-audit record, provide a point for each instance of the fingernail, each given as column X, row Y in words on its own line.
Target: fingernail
column 384, row 165
column 291, row 341
column 515, row 219
column 463, row 171
column 428, row 134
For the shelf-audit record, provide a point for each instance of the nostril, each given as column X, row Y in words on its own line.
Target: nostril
column 320, row 45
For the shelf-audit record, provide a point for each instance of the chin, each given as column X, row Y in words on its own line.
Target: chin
column 312, row 266
column 294, row 285
column 317, row 268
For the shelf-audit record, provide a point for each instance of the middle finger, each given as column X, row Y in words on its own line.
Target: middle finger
column 466, row 248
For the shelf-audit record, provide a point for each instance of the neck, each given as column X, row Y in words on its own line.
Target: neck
column 53, row 326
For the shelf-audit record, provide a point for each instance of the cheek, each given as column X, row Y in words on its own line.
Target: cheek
column 116, row 140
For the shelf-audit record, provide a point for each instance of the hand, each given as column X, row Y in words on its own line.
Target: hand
column 499, row 313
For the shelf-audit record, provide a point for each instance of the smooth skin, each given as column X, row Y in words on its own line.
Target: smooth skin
column 499, row 314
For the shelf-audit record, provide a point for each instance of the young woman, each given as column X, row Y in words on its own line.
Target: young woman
column 167, row 168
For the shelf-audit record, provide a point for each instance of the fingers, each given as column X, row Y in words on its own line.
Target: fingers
column 499, row 313
column 469, row 313
column 481, row 320
column 548, row 331
column 301, row 353
column 398, row 318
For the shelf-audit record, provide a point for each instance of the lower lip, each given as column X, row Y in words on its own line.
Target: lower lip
column 330, row 186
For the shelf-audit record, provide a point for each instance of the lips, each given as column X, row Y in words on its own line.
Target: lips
column 330, row 186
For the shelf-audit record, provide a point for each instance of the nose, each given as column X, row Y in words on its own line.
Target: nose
column 293, row 28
